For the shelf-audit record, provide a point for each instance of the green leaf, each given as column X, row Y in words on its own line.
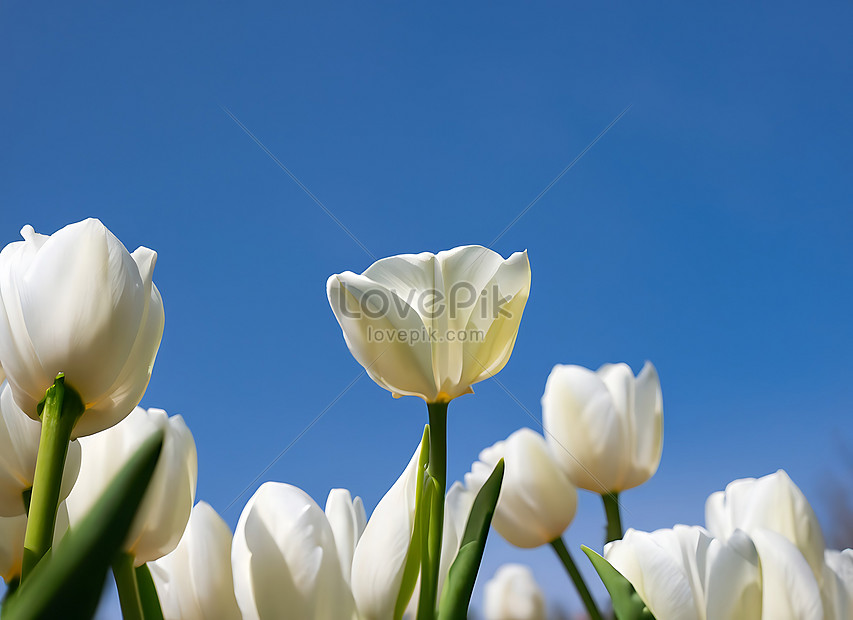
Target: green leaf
column 148, row 594
column 68, row 582
column 627, row 604
column 456, row 594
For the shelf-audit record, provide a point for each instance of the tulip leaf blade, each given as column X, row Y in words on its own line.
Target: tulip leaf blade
column 456, row 594
column 627, row 604
column 68, row 582
column 151, row 609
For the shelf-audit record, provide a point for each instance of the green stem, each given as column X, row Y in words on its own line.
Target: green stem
column 128, row 587
column 564, row 555
column 437, row 470
column 60, row 410
column 614, row 520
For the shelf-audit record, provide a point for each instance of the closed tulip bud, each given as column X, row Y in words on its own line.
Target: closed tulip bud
column 537, row 502
column 513, row 594
column 19, row 442
column 194, row 581
column 605, row 428
column 837, row 589
column 380, row 556
column 347, row 518
column 285, row 561
column 684, row 573
column 774, row 503
column 76, row 302
column 168, row 501
column 432, row 325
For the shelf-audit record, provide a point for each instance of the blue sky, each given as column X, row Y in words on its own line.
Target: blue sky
column 708, row 230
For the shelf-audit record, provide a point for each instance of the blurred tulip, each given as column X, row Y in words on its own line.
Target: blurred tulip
column 684, row 573
column 604, row 428
column 837, row 589
column 432, row 325
column 285, row 561
column 12, row 530
column 537, row 502
column 513, row 594
column 166, row 507
column 19, row 442
column 77, row 302
column 194, row 581
column 380, row 556
column 347, row 518
column 774, row 503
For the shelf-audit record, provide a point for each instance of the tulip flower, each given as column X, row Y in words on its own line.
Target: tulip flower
column 432, row 325
column 194, row 581
column 513, row 594
column 347, row 519
column 605, row 429
column 285, row 561
column 684, row 573
column 162, row 517
column 774, row 503
column 19, row 442
column 537, row 502
column 76, row 302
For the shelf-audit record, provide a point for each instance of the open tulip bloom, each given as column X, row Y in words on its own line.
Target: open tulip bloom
column 90, row 481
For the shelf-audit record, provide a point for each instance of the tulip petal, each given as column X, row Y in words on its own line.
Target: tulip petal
column 789, row 588
column 584, row 430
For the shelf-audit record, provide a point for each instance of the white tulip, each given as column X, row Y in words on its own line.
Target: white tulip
column 537, row 502
column 19, row 442
column 774, row 503
column 194, row 581
column 347, row 518
column 380, row 556
column 604, row 428
column 684, row 573
column 12, row 530
column 77, row 302
column 432, row 325
column 168, row 501
column 284, row 559
column 837, row 590
column 513, row 594
column 789, row 590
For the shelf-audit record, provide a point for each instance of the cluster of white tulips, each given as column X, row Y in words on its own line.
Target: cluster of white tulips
column 91, row 482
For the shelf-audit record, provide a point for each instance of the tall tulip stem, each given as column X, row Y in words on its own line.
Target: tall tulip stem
column 576, row 577
column 437, row 470
column 60, row 410
column 128, row 587
column 614, row 520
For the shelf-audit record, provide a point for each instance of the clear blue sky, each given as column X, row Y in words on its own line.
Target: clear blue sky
column 708, row 231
